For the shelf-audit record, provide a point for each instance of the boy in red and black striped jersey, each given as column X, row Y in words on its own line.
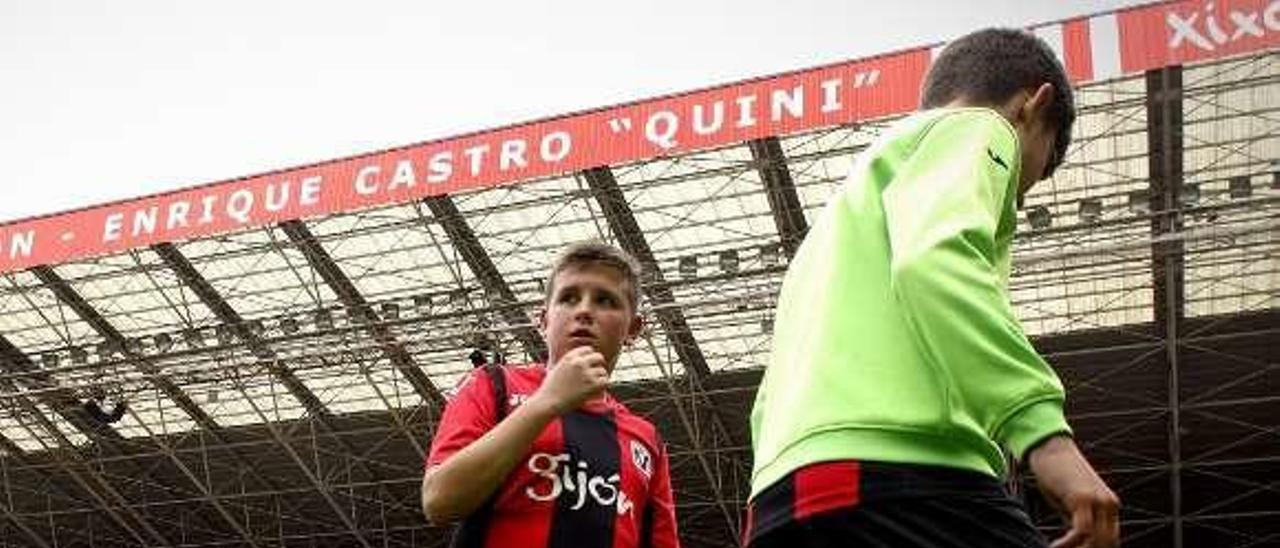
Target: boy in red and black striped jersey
column 558, row 462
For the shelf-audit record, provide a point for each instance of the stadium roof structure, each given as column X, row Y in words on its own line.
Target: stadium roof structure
column 284, row 341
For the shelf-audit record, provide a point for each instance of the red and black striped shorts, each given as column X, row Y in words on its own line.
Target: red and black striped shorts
column 875, row 504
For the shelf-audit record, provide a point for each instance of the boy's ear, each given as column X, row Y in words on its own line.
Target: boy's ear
column 637, row 327
column 1037, row 105
column 542, row 320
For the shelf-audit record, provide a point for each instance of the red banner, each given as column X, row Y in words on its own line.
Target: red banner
column 1183, row 32
column 781, row 105
column 1097, row 47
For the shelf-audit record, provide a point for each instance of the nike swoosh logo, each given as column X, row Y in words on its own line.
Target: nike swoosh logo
column 997, row 159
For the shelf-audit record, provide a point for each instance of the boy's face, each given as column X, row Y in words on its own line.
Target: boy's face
column 589, row 307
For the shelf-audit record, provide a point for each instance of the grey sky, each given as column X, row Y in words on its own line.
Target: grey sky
column 104, row 101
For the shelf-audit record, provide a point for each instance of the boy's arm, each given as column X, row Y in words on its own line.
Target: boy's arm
column 943, row 209
column 457, row 486
column 1090, row 508
column 458, row 483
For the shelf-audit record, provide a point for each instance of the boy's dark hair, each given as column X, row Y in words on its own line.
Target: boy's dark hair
column 990, row 66
column 595, row 252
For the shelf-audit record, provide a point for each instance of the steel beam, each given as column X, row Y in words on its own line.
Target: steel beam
column 177, row 262
column 780, row 189
column 86, row 312
column 623, row 224
column 351, row 298
column 1165, row 148
column 500, row 295
column 80, row 472
column 700, row 451
column 13, row 451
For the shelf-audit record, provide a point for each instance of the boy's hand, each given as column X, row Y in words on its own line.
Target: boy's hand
column 1071, row 485
column 579, row 376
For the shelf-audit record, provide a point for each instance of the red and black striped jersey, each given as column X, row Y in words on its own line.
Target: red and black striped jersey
column 596, row 477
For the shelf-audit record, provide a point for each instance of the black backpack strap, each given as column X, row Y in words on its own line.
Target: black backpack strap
column 472, row 531
column 498, row 378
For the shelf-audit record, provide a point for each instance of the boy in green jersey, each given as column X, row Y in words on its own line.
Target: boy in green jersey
column 899, row 378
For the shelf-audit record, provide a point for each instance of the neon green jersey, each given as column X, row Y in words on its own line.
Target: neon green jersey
column 894, row 338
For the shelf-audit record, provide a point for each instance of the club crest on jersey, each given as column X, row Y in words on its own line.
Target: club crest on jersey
column 641, row 458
